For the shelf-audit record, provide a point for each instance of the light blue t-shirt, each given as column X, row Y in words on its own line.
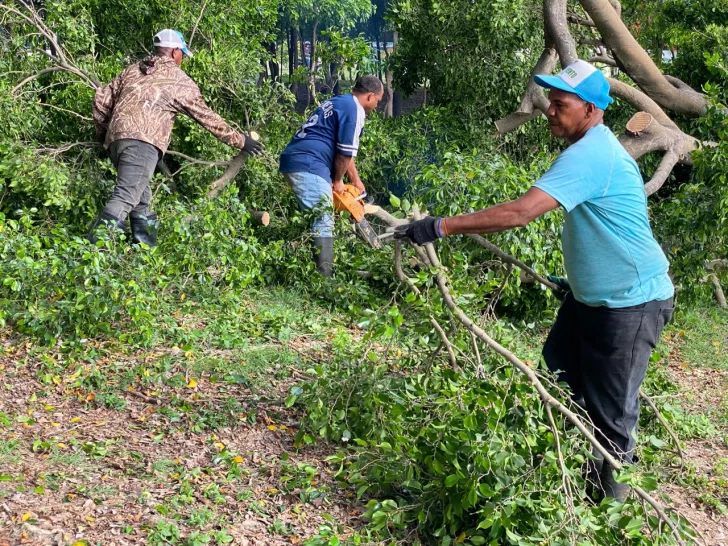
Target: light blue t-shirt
column 610, row 254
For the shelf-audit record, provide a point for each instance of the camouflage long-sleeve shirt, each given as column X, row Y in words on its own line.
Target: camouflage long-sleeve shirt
column 143, row 101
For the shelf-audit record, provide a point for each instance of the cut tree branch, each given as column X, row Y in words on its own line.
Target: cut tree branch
column 534, row 102
column 644, row 135
column 556, row 28
column 233, row 168
column 36, row 76
column 447, row 344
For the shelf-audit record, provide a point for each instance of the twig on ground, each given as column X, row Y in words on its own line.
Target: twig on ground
column 448, row 345
column 663, row 421
column 566, row 479
column 398, row 269
column 147, row 399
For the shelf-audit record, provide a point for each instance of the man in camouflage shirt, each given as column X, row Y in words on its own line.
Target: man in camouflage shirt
column 134, row 115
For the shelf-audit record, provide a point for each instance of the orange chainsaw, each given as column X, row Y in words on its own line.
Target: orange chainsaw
column 352, row 201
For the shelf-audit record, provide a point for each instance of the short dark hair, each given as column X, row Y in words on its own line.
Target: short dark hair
column 368, row 84
column 163, row 51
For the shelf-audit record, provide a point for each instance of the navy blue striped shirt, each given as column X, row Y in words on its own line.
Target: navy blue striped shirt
column 333, row 128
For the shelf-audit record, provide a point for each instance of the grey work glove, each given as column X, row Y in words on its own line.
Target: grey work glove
column 252, row 146
column 421, row 232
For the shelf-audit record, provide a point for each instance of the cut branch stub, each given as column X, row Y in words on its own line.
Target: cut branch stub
column 645, row 135
column 639, row 122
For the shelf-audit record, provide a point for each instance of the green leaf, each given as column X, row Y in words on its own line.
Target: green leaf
column 451, row 480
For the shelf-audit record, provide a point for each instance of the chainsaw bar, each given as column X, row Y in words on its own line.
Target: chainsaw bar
column 368, row 233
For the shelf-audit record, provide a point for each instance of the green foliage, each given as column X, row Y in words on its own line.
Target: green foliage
column 695, row 31
column 57, row 286
column 475, row 56
column 691, row 223
column 460, row 458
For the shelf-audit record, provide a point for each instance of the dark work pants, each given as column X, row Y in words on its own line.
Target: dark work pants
column 602, row 354
column 134, row 161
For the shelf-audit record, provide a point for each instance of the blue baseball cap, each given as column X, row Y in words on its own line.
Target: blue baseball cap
column 171, row 38
column 582, row 79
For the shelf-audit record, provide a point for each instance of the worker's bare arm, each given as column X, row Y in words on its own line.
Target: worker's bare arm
column 504, row 216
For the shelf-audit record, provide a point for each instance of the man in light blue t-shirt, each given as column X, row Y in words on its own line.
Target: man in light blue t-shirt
column 322, row 152
column 621, row 296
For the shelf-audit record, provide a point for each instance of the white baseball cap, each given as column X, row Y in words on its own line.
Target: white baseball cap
column 582, row 79
column 171, row 38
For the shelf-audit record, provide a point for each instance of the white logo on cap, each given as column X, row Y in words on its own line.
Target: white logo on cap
column 576, row 72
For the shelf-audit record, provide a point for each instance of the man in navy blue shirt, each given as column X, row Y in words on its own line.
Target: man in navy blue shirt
column 322, row 152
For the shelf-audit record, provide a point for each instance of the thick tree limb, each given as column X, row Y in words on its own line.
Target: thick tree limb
column 233, row 168
column 644, row 135
column 534, row 102
column 679, row 84
column 669, row 160
column 556, row 27
column 640, row 101
column 261, row 217
column 638, row 64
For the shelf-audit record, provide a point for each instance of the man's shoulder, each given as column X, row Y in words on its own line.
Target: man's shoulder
column 344, row 103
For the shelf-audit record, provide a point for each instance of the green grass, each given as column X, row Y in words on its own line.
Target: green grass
column 703, row 336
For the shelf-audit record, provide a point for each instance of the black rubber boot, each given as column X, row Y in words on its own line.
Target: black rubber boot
column 610, row 486
column 115, row 225
column 144, row 229
column 323, row 254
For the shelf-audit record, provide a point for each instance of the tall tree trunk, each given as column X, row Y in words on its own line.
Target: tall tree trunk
column 292, row 57
column 272, row 65
column 314, row 67
column 303, row 62
column 379, row 55
column 397, row 95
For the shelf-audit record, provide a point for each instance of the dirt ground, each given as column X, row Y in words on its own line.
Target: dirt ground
column 76, row 473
